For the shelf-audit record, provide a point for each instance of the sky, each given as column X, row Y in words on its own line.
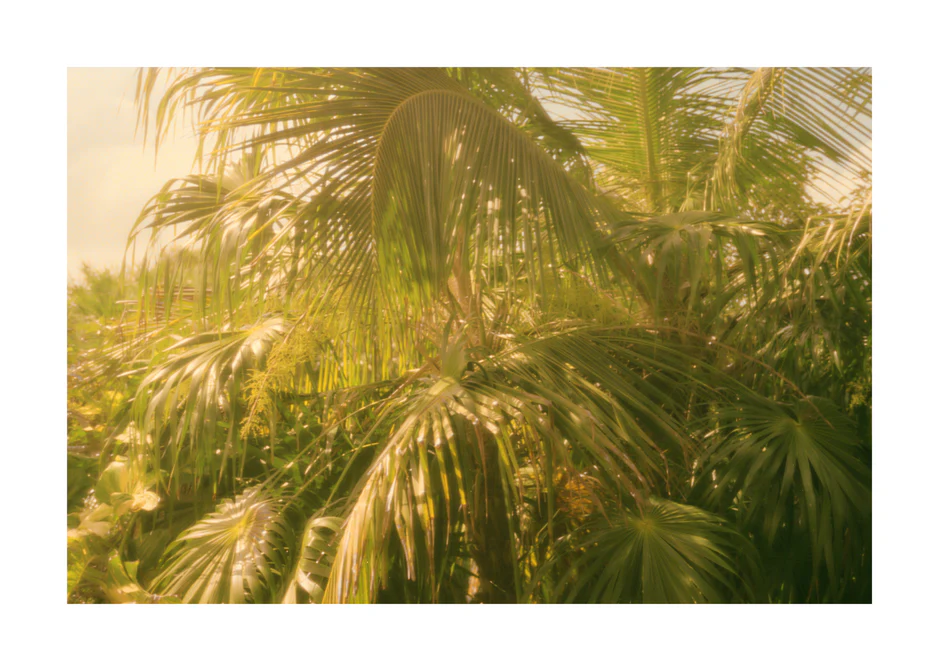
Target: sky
column 111, row 175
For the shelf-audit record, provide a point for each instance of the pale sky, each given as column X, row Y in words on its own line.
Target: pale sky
column 110, row 174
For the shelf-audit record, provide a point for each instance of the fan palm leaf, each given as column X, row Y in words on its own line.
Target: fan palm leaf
column 663, row 552
column 794, row 471
column 234, row 554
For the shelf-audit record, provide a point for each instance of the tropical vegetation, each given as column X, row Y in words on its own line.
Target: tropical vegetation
column 484, row 335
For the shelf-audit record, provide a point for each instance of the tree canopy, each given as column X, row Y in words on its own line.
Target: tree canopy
column 485, row 335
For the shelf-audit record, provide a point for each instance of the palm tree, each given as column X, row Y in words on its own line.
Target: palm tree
column 500, row 335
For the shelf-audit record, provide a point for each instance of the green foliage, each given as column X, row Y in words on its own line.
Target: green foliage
column 486, row 335
column 795, row 472
column 231, row 555
column 664, row 552
column 317, row 553
column 280, row 369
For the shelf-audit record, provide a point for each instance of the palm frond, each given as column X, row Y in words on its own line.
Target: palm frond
column 651, row 127
column 663, row 552
column 185, row 398
column 792, row 471
column 317, row 552
column 234, row 554
column 808, row 126
column 700, row 262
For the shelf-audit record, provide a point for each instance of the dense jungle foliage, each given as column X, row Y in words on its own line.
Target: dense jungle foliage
column 484, row 336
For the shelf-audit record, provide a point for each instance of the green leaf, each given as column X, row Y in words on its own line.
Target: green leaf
column 662, row 552
column 229, row 556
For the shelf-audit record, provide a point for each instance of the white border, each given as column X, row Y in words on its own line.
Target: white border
column 896, row 40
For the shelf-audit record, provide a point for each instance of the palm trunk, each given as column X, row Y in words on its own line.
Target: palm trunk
column 491, row 541
column 490, row 537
